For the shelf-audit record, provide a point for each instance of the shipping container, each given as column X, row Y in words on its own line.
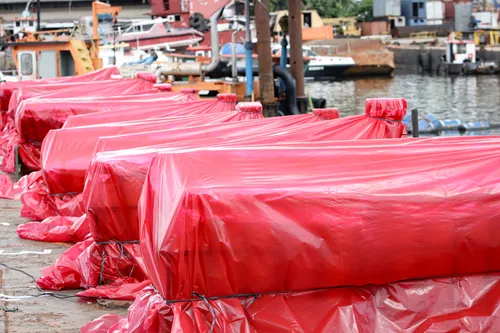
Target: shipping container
column 463, row 16
column 485, row 20
column 449, row 10
column 434, row 10
column 383, row 8
column 375, row 28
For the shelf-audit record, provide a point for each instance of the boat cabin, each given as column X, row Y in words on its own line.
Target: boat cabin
column 460, row 51
column 142, row 27
column 40, row 55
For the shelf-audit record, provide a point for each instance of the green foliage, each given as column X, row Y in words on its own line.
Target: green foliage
column 332, row 8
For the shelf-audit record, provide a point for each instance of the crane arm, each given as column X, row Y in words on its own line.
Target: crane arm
column 102, row 8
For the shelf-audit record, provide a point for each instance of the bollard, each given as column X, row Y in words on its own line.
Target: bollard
column 414, row 123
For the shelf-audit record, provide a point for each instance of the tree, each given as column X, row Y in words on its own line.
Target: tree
column 278, row 5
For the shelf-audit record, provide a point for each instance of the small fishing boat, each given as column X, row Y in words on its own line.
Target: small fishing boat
column 321, row 67
column 460, row 59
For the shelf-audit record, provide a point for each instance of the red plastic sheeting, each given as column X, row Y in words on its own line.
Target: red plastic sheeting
column 34, row 118
column 71, row 90
column 6, row 88
column 135, row 173
column 55, row 229
column 66, row 153
column 139, row 112
column 113, row 185
column 38, row 204
column 82, row 266
column 115, row 179
column 9, row 190
column 122, row 289
column 351, row 233
column 330, row 113
column 453, row 304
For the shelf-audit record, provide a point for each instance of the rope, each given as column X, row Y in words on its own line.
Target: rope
column 212, row 310
column 123, row 254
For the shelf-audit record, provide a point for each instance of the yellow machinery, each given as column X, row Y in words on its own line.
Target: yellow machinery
column 486, row 37
column 46, row 54
column 348, row 25
column 423, row 35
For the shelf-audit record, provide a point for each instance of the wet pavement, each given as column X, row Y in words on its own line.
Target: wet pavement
column 39, row 314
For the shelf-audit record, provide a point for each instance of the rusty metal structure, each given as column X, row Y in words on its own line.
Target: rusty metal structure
column 296, row 58
column 266, row 79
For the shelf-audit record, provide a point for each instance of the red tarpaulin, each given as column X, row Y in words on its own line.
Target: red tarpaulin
column 71, row 90
column 115, row 180
column 220, row 222
column 453, row 304
column 38, row 205
column 6, row 88
column 35, row 117
column 66, row 153
column 138, row 111
column 29, row 152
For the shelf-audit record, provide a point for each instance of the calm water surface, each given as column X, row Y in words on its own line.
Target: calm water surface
column 468, row 98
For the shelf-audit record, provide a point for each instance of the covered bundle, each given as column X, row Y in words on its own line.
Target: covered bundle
column 224, row 102
column 7, row 88
column 220, row 222
column 67, row 154
column 72, row 90
column 115, row 179
column 35, row 117
column 29, row 153
column 364, row 195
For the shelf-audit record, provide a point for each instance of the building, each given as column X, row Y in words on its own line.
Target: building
column 414, row 11
column 69, row 11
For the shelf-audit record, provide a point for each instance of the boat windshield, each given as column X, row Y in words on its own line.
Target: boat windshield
column 308, row 53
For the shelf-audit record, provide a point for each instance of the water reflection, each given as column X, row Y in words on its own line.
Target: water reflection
column 468, row 98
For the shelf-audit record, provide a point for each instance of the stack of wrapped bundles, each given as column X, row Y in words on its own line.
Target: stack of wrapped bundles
column 115, row 178
column 314, row 237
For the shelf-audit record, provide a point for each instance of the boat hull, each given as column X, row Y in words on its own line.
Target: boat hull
column 180, row 40
column 325, row 72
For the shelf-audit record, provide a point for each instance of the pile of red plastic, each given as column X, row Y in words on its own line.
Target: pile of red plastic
column 115, row 179
column 35, row 109
column 219, row 220
column 66, row 153
column 7, row 88
column 266, row 238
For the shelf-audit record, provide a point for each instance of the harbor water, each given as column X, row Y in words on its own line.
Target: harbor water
column 468, row 98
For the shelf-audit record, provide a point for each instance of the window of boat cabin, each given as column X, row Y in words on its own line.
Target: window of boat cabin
column 147, row 27
column 461, row 48
column 27, row 64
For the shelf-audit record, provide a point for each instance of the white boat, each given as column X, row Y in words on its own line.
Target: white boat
column 321, row 67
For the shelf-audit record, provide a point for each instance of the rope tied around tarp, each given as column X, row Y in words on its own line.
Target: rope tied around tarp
column 385, row 119
column 61, row 195
column 123, row 254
